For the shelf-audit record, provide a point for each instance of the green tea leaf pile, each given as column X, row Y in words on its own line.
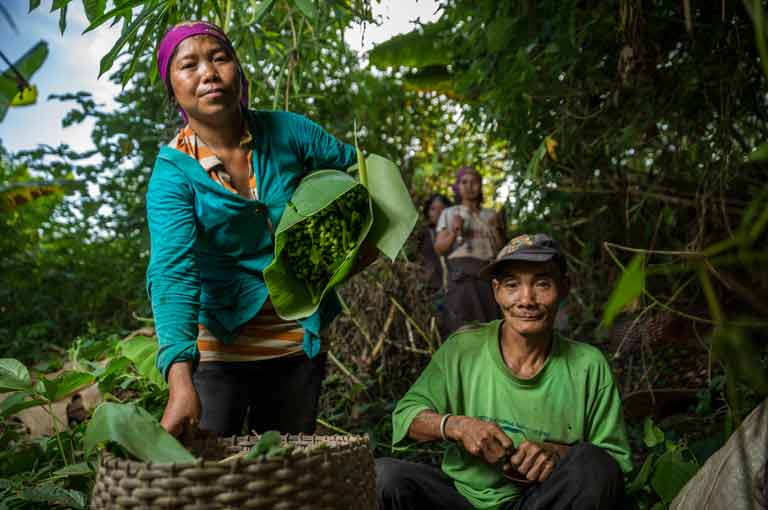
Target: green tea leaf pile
column 317, row 246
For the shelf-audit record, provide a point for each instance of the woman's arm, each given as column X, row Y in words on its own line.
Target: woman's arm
column 173, row 276
column 318, row 148
column 447, row 234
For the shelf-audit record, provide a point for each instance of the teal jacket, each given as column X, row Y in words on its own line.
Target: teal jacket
column 209, row 246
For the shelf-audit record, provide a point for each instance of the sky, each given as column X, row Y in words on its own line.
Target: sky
column 73, row 64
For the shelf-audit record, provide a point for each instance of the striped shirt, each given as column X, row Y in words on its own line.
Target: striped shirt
column 265, row 336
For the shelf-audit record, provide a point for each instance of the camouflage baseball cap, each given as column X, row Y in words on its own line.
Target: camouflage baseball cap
column 528, row 247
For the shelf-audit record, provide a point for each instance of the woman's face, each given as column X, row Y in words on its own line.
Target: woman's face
column 469, row 186
column 435, row 209
column 204, row 78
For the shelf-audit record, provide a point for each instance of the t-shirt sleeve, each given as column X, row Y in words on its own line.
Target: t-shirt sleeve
column 444, row 219
column 605, row 423
column 173, row 277
column 429, row 392
column 317, row 148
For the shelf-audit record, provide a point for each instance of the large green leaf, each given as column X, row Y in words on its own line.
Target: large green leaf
column 66, row 384
column 420, row 48
column 671, row 475
column 18, row 402
column 25, row 97
column 137, row 431
column 26, row 66
column 290, row 296
column 630, row 286
column 142, row 351
column 394, row 217
column 394, row 214
column 94, row 9
column 14, row 376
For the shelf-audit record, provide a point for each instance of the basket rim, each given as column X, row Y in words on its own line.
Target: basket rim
column 319, row 445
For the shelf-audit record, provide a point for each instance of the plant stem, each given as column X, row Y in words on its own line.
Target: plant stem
column 333, row 427
column 54, row 419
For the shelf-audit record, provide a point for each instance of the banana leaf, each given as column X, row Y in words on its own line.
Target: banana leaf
column 391, row 219
column 290, row 295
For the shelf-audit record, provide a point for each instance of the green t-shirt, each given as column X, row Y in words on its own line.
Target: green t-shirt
column 572, row 399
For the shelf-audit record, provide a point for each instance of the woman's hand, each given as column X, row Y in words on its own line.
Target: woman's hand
column 183, row 408
column 457, row 223
column 480, row 438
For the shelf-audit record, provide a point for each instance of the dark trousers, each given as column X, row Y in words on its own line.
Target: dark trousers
column 587, row 478
column 277, row 394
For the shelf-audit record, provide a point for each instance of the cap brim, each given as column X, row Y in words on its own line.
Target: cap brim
column 488, row 271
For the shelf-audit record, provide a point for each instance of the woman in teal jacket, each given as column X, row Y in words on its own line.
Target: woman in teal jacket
column 215, row 192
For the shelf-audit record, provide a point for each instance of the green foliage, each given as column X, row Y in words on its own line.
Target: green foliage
column 142, row 352
column 12, row 85
column 326, row 238
column 136, row 430
column 666, row 469
column 59, row 470
column 652, row 435
column 268, row 445
column 629, row 288
column 14, row 376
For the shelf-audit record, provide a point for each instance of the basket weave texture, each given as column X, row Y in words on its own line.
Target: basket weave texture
column 319, row 473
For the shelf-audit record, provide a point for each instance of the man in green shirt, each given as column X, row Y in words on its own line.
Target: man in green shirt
column 533, row 420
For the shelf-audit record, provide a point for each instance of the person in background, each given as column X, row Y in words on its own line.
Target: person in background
column 433, row 264
column 217, row 190
column 468, row 236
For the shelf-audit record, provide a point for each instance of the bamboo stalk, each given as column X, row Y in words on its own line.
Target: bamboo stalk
column 344, row 369
column 380, row 342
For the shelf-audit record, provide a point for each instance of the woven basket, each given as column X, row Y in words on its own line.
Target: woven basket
column 320, row 473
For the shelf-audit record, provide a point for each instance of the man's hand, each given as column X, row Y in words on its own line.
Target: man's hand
column 183, row 408
column 480, row 438
column 535, row 461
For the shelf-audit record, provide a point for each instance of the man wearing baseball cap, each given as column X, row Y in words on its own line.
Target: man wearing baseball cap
column 531, row 420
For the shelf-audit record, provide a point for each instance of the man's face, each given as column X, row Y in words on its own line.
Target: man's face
column 528, row 294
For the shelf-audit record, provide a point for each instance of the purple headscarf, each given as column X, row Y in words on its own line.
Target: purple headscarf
column 182, row 31
column 461, row 172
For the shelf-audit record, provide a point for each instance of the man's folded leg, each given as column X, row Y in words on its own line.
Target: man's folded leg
column 403, row 485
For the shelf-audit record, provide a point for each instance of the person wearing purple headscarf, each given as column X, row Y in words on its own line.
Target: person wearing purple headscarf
column 216, row 191
column 468, row 236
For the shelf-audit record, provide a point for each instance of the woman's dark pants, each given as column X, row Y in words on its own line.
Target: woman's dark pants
column 276, row 394
column 586, row 479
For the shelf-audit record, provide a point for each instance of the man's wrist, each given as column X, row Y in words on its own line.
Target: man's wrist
column 452, row 428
